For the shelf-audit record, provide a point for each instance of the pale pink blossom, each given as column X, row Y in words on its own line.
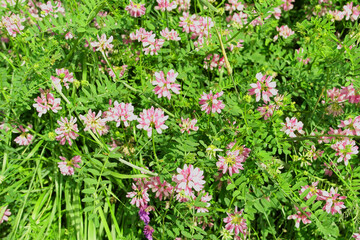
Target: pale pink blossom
column 5, row 217
column 299, row 216
column 49, row 9
column 67, row 131
column 63, row 77
column 95, row 123
column 216, row 61
column 187, row 125
column 356, row 235
column 12, row 23
column 69, row 35
column 264, row 87
column 291, row 126
column 189, row 178
column 231, row 163
column 139, row 197
column 46, row 102
column 287, row 6
column 25, row 138
column 210, row 103
column 162, row 189
column 345, row 149
column 165, row 5
column 170, row 35
column 163, row 86
column 150, row 118
column 140, row 35
column 119, row 70
column 300, row 53
column 151, row 45
column 188, row 23
column 206, row 198
column 277, row 12
column 67, row 166
column 136, row 9
column 234, row 5
column 121, row 112
column 351, row 126
column 184, row 5
column 285, row 31
column 338, row 15
column 313, row 191
column 235, row 222
column 103, row 44
column 333, row 204
column 267, row 111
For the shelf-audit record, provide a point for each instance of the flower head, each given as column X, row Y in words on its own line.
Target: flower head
column 68, row 130
column 189, row 178
column 63, row 77
column 121, row 112
column 104, row 44
column 67, row 166
column 291, row 126
column 187, row 125
column 6, row 215
column 150, row 118
column 235, row 222
column 345, row 149
column 232, row 162
column 136, row 9
column 139, row 196
column 210, row 103
column 162, row 189
column 299, row 216
column 148, row 231
column 264, row 87
column 46, row 102
column 94, row 123
column 332, row 204
column 25, row 138
column 163, row 86
column 165, row 5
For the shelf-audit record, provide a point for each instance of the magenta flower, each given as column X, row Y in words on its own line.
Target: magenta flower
column 139, row 196
column 313, row 191
column 6, row 215
column 46, row 102
column 68, row 130
column 121, row 112
column 345, row 149
column 291, row 126
column 165, row 5
column 63, row 77
column 299, row 216
column 95, row 123
column 25, row 138
column 104, row 44
column 135, row 10
column 162, row 189
column 187, row 125
column 209, row 102
column 67, row 166
column 232, row 162
column 263, row 87
column 163, row 86
column 148, row 231
column 189, row 178
column 332, row 204
column 150, row 118
column 170, row 35
column 235, row 222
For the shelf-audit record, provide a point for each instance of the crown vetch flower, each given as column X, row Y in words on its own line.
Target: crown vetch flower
column 63, row 76
column 264, row 87
column 299, row 216
column 332, row 204
column 206, row 198
column 285, row 31
column 210, row 103
column 150, row 118
column 95, row 123
column 68, row 130
column 25, row 138
column 236, row 223
column 121, row 112
column 152, row 45
column 104, row 44
column 291, row 126
column 356, row 235
column 165, row 5
column 163, row 86
column 232, row 162
column 267, row 111
column 189, row 178
column 148, row 231
column 67, row 166
column 12, row 24
column 345, row 149
column 139, row 196
column 46, row 102
column 170, row 35
column 162, row 189
column 6, row 215
column 187, row 125
column 136, row 9
column 313, row 191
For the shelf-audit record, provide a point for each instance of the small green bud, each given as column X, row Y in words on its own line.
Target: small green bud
column 84, row 83
column 279, row 113
column 62, row 75
column 52, row 136
column 247, row 98
column 77, row 83
column 117, row 133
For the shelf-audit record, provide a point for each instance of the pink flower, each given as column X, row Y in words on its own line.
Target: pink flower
column 232, row 162
column 140, row 34
column 333, row 204
column 95, row 123
column 356, row 235
column 216, row 61
column 13, row 24
column 68, row 130
column 49, row 9
column 6, row 215
column 338, row 15
column 163, row 86
column 299, row 216
column 351, row 126
column 162, row 190
column 187, row 125
column 67, row 167
column 119, row 70
column 170, row 35
column 104, row 44
column 209, row 102
column 184, row 5
column 287, row 6
column 150, row 118
column 139, row 196
column 152, row 45
column 291, row 126
column 263, row 87
column 121, row 112
column 165, row 5
column 63, row 76
column 345, row 149
column 188, row 23
column 235, row 222
column 285, row 31
column 135, row 10
column 189, row 178
column 313, row 191
column 46, row 102
column 234, row 5
column 267, row 111
column 206, row 198
column 69, row 35
column 25, row 138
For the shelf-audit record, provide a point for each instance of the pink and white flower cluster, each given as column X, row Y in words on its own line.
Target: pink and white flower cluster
column 214, row 61
column 25, row 138
column 291, row 126
column 12, row 23
column 344, row 149
column 103, row 44
column 263, row 88
column 170, row 35
column 344, row 94
column 299, row 216
column 135, row 9
column 184, row 5
column 300, row 58
column 189, row 179
column 95, row 123
column 5, row 217
column 349, row 12
column 67, row 131
column 234, row 158
column 63, row 77
column 46, row 102
column 49, row 9
column 163, row 86
column 151, row 45
column 150, row 118
column 284, row 31
column 166, row 5
column 66, row 167
column 236, row 223
column 121, row 112
column 186, row 125
column 210, row 103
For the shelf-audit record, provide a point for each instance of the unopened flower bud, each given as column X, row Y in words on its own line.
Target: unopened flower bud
column 77, row 83
column 84, row 83
column 52, row 136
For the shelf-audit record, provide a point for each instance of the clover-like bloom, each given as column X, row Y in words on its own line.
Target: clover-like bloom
column 299, row 216
column 235, row 222
column 136, row 10
column 206, row 198
column 121, row 112
column 332, row 204
column 139, row 196
column 165, row 5
column 189, row 178
column 12, row 24
column 6, row 215
column 25, row 138
column 264, row 87
column 150, row 118
column 356, row 235
column 46, row 102
column 291, row 126
column 67, row 131
column 170, row 35
column 285, row 31
column 151, row 45
column 148, row 231
column 163, row 86
column 104, row 44
column 67, row 166
column 95, row 123
column 267, row 111
column 210, row 103
column 63, row 77
column 232, row 162
column 345, row 149
column 313, row 191
column 187, row 125
column 162, row 189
